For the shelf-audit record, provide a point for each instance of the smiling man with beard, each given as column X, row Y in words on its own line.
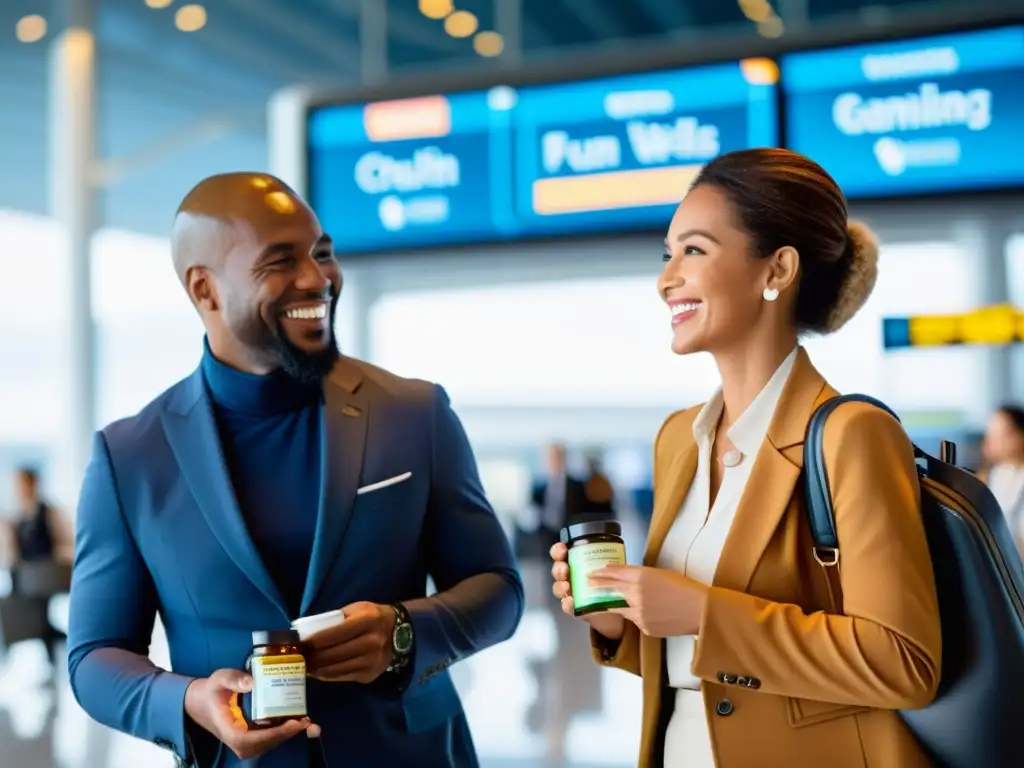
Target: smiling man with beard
column 282, row 480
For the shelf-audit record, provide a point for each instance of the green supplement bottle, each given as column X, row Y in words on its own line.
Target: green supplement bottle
column 593, row 545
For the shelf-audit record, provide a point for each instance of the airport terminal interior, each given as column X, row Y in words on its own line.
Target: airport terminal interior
column 497, row 177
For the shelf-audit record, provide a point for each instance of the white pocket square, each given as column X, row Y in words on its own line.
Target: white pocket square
column 384, row 483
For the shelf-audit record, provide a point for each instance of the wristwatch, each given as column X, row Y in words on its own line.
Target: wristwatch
column 401, row 639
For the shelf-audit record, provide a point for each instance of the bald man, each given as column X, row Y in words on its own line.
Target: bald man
column 282, row 480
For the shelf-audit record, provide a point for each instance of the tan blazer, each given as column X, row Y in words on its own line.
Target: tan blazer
column 790, row 678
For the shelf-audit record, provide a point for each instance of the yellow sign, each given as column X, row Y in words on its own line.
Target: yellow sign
column 934, row 330
column 1001, row 324
column 990, row 325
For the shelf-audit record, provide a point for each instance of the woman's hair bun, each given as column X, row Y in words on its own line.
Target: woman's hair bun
column 860, row 260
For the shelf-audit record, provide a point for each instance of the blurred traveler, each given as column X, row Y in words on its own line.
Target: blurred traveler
column 1003, row 451
column 764, row 664
column 40, row 531
column 559, row 497
column 37, row 548
column 598, row 494
column 282, row 480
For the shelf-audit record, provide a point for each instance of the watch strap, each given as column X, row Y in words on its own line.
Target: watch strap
column 403, row 621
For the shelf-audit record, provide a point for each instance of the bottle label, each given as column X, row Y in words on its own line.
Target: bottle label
column 278, row 687
column 584, row 559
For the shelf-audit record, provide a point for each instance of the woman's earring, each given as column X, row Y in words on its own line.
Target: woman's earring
column 770, row 294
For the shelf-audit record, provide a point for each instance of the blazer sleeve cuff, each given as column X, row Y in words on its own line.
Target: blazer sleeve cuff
column 620, row 654
column 167, row 715
column 725, row 613
column 431, row 651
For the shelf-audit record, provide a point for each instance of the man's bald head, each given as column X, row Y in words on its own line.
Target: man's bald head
column 218, row 204
column 260, row 271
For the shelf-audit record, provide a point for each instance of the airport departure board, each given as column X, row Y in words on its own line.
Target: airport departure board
column 912, row 117
column 587, row 157
column 930, row 115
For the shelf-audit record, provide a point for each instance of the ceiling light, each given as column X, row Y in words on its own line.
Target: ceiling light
column 190, row 18
column 771, row 27
column 436, row 9
column 30, row 29
column 461, row 24
column 488, row 44
column 158, row 3
column 756, row 10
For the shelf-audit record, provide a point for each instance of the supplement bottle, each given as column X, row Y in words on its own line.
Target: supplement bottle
column 278, row 671
column 592, row 545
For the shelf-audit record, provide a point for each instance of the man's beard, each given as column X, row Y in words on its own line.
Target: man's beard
column 307, row 367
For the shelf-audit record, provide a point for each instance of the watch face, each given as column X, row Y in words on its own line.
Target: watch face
column 403, row 638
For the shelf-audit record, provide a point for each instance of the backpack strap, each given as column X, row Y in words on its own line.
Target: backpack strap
column 817, row 494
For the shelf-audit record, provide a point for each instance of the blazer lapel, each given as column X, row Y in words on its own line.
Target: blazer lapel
column 343, row 442
column 191, row 432
column 777, row 470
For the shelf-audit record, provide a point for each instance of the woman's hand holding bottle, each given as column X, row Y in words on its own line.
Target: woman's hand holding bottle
column 609, row 625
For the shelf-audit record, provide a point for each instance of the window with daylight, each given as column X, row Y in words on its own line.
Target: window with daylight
column 586, row 342
column 916, row 278
column 606, row 341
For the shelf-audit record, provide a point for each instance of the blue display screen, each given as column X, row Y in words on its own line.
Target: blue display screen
column 938, row 114
column 575, row 158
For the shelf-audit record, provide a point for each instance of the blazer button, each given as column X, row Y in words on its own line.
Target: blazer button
column 726, row 678
column 753, row 682
column 724, row 708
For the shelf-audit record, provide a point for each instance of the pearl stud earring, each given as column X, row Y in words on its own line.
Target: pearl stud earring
column 770, row 294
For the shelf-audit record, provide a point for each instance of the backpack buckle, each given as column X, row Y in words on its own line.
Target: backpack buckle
column 827, row 557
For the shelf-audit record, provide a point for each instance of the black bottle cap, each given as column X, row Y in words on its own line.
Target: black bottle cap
column 590, row 528
column 275, row 637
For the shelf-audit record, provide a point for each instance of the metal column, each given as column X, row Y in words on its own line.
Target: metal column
column 985, row 241
column 73, row 206
column 508, row 22
column 795, row 14
column 373, row 41
column 996, row 286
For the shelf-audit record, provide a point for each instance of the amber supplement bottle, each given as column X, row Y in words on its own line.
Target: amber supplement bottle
column 278, row 671
column 592, row 546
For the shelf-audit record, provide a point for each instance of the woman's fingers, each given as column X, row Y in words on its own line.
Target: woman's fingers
column 561, row 589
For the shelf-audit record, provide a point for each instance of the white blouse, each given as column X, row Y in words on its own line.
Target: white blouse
column 695, row 541
column 1007, row 484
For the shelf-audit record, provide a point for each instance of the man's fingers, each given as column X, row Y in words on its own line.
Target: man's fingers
column 353, row 649
column 335, row 673
column 256, row 742
column 349, row 629
column 232, row 680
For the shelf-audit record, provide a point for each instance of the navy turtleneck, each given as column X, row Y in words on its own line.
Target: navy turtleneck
column 270, row 431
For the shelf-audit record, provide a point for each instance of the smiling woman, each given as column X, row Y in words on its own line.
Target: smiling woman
column 730, row 608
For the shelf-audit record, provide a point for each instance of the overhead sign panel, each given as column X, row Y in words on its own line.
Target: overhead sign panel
column 621, row 153
column 936, row 114
column 586, row 157
column 403, row 173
